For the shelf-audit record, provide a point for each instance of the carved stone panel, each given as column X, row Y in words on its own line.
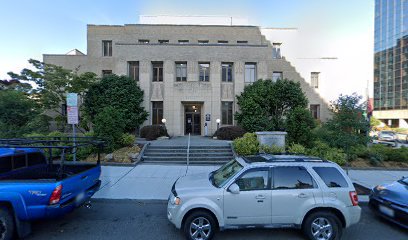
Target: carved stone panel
column 227, row 92
column 157, row 91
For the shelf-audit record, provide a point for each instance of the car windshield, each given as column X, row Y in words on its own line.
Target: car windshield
column 225, row 173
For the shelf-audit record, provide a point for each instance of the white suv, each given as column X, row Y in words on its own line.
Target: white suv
column 270, row 191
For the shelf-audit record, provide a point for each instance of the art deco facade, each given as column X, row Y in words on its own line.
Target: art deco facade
column 190, row 74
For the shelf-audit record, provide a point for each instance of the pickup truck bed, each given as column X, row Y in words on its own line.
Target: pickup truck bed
column 32, row 188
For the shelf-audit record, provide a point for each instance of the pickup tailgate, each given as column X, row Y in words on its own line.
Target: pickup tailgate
column 78, row 188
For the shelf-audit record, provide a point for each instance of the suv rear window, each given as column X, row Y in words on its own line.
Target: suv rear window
column 331, row 177
column 292, row 178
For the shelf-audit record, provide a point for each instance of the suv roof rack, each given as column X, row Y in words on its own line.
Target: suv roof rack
column 281, row 158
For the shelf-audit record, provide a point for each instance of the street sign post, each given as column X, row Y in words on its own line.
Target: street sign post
column 72, row 116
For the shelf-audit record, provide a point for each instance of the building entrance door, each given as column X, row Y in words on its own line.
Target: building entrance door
column 192, row 120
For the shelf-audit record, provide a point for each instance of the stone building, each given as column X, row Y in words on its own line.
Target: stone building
column 190, row 74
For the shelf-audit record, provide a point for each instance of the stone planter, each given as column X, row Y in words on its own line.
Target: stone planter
column 271, row 138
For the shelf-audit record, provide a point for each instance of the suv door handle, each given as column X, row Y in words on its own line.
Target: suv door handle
column 302, row 195
column 260, row 197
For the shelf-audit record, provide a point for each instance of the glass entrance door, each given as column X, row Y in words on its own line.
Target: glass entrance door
column 192, row 121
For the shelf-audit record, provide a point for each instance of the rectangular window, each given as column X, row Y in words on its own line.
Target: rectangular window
column 276, row 51
column 107, row 48
column 226, row 72
column 242, row 42
column 291, row 178
column 331, row 177
column 314, row 79
column 315, row 110
column 157, row 71
column 203, row 41
column 227, row 113
column 163, row 41
column 222, row 42
column 183, row 41
column 157, row 115
column 143, row 41
column 106, row 72
column 250, row 72
column 133, row 70
column 204, row 72
column 181, row 71
column 277, row 76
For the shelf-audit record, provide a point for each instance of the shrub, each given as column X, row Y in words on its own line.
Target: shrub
column 152, row 132
column 324, row 151
column 246, row 145
column 297, row 149
column 299, row 126
column 108, row 125
column 128, row 139
column 229, row 133
column 271, row 149
column 390, row 154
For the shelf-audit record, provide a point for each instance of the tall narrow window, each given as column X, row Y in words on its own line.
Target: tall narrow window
column 143, row 41
column 250, row 72
column 204, row 72
column 157, row 71
column 277, row 76
column 314, row 79
column 226, row 72
column 157, row 115
column 315, row 110
column 106, row 72
column 181, row 71
column 107, row 48
column 226, row 113
column 183, row 41
column 133, row 70
column 276, row 50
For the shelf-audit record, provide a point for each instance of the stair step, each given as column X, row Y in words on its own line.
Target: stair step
column 185, row 155
column 185, row 150
column 191, row 147
column 185, row 158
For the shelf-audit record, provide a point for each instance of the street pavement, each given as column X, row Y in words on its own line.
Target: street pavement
column 145, row 220
column 153, row 181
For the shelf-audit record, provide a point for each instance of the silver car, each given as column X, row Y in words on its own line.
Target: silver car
column 267, row 191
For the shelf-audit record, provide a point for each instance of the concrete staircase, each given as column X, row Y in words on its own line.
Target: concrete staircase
column 199, row 155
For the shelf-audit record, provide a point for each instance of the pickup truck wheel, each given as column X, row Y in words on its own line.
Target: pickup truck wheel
column 6, row 224
column 199, row 225
column 322, row 226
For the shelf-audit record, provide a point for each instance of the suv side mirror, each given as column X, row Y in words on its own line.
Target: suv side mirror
column 234, row 188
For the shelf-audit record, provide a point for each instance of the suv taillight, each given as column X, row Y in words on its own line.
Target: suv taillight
column 354, row 198
column 56, row 195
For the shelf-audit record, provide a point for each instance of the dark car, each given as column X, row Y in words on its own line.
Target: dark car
column 391, row 201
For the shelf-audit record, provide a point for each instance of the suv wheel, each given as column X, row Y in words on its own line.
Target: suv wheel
column 322, row 226
column 6, row 224
column 199, row 225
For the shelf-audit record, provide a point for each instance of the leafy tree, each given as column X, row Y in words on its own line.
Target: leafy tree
column 300, row 125
column 20, row 115
column 15, row 85
column 374, row 122
column 348, row 127
column 121, row 93
column 53, row 82
column 265, row 104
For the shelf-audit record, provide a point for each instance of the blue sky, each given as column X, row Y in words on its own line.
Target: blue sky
column 29, row 28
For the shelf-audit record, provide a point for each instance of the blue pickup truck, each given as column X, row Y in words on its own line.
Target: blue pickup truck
column 34, row 187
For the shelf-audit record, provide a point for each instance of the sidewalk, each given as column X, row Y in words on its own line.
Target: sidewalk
column 153, row 182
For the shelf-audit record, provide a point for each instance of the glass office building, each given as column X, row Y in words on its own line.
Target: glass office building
column 391, row 59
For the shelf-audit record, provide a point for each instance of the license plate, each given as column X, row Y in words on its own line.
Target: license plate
column 386, row 211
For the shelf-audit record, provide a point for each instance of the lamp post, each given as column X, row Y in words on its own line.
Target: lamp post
column 218, row 123
column 164, row 123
